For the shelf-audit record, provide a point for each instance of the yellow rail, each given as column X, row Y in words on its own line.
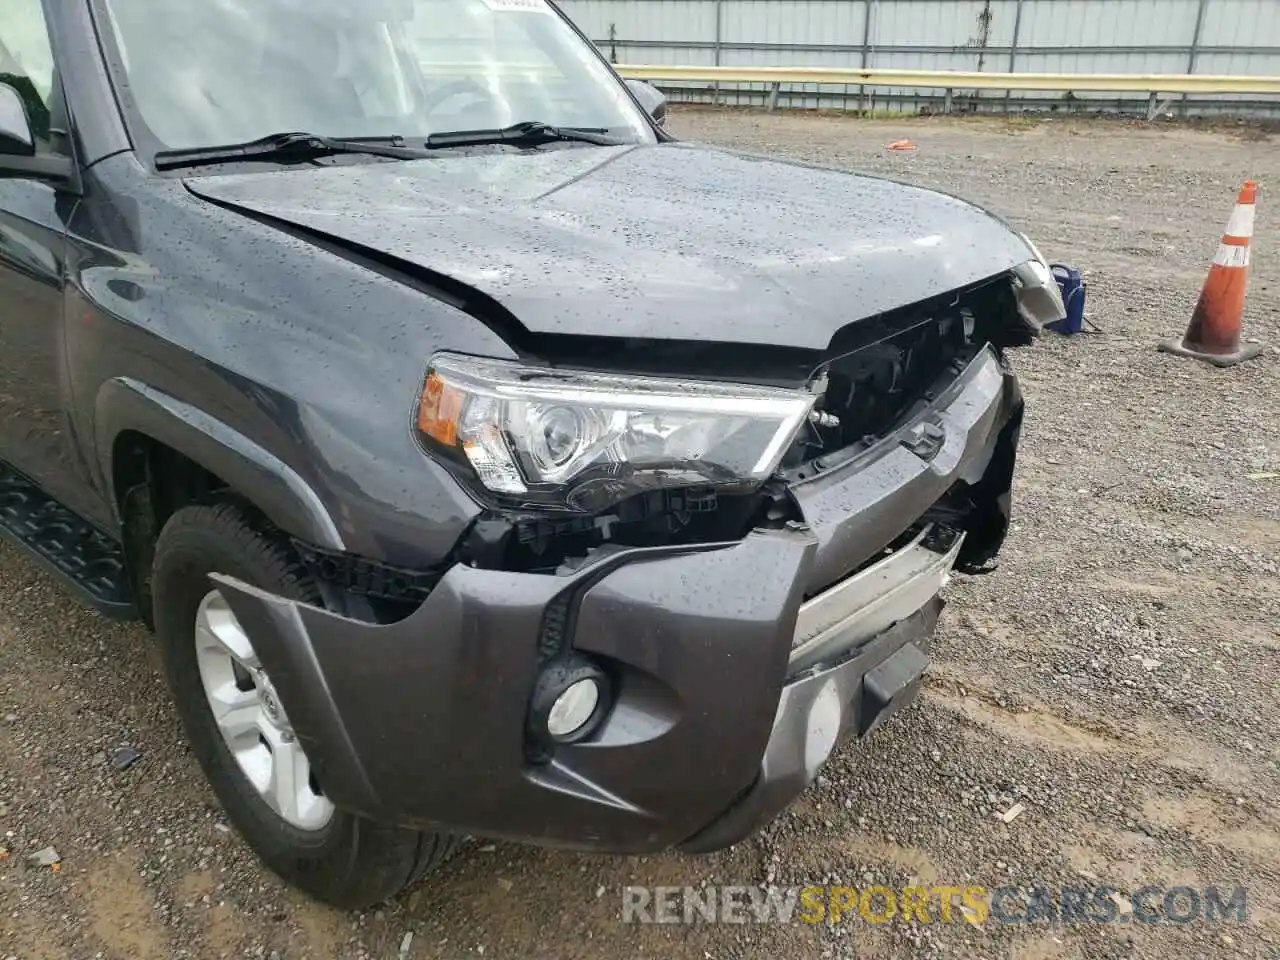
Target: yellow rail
column 1150, row 83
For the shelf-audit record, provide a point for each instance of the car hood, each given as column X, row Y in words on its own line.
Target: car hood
column 672, row 241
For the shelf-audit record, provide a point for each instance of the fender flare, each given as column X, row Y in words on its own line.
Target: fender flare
column 268, row 482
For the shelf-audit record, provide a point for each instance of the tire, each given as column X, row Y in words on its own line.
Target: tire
column 347, row 861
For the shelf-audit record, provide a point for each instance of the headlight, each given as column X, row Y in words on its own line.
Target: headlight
column 540, row 438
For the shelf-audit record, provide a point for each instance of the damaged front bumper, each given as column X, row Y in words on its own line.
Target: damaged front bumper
column 734, row 669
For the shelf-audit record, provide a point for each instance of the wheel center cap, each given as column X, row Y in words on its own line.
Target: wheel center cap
column 270, row 701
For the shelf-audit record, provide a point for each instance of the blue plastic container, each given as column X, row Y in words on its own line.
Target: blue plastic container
column 1073, row 289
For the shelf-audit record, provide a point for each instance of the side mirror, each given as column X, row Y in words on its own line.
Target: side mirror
column 652, row 99
column 16, row 138
column 18, row 157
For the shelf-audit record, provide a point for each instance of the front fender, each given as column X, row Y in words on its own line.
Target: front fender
column 275, row 488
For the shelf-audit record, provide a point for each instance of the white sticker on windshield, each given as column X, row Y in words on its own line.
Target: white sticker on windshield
column 526, row 6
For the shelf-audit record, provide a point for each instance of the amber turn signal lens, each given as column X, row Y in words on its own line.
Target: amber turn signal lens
column 440, row 410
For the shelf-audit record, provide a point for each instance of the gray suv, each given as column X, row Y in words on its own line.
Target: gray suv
column 486, row 461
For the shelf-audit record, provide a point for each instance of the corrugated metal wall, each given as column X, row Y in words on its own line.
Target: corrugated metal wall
column 1050, row 36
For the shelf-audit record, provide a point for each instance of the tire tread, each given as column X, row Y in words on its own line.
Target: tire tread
column 375, row 861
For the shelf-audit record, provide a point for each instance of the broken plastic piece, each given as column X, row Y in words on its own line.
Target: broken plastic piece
column 125, row 757
column 1012, row 813
column 44, row 858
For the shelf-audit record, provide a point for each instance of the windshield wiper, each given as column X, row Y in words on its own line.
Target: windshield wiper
column 530, row 133
column 290, row 146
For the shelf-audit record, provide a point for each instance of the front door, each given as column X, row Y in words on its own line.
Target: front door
column 33, row 425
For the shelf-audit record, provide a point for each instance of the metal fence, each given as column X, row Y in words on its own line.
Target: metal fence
column 1016, row 36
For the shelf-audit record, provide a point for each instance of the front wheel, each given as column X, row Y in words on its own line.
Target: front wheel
column 237, row 726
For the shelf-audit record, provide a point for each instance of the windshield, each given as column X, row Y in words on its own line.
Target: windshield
column 206, row 72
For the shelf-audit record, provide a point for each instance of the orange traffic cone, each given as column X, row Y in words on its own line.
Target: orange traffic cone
column 1213, row 335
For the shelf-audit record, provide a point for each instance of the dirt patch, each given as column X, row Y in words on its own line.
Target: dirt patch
column 1127, row 859
column 1036, row 726
column 913, row 862
column 1211, row 820
column 221, row 934
column 1045, row 948
column 120, row 912
column 1179, row 751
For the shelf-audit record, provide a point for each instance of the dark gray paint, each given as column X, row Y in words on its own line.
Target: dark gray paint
column 133, row 307
column 293, row 350
column 196, row 435
column 858, row 509
column 98, row 128
column 651, row 98
column 36, row 434
column 814, row 713
column 441, row 742
column 669, row 241
column 310, row 355
column 698, row 646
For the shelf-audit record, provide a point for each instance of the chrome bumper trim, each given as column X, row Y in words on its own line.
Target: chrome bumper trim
column 871, row 601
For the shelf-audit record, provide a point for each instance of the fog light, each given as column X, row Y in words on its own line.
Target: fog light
column 569, row 702
column 573, row 708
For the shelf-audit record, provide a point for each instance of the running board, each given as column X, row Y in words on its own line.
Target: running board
column 66, row 544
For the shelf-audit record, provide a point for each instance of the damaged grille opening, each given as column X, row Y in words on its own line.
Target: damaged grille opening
column 657, row 518
column 883, row 369
column 880, row 371
column 365, row 589
column 904, row 539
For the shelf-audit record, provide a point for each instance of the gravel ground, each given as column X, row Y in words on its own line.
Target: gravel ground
column 1116, row 675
